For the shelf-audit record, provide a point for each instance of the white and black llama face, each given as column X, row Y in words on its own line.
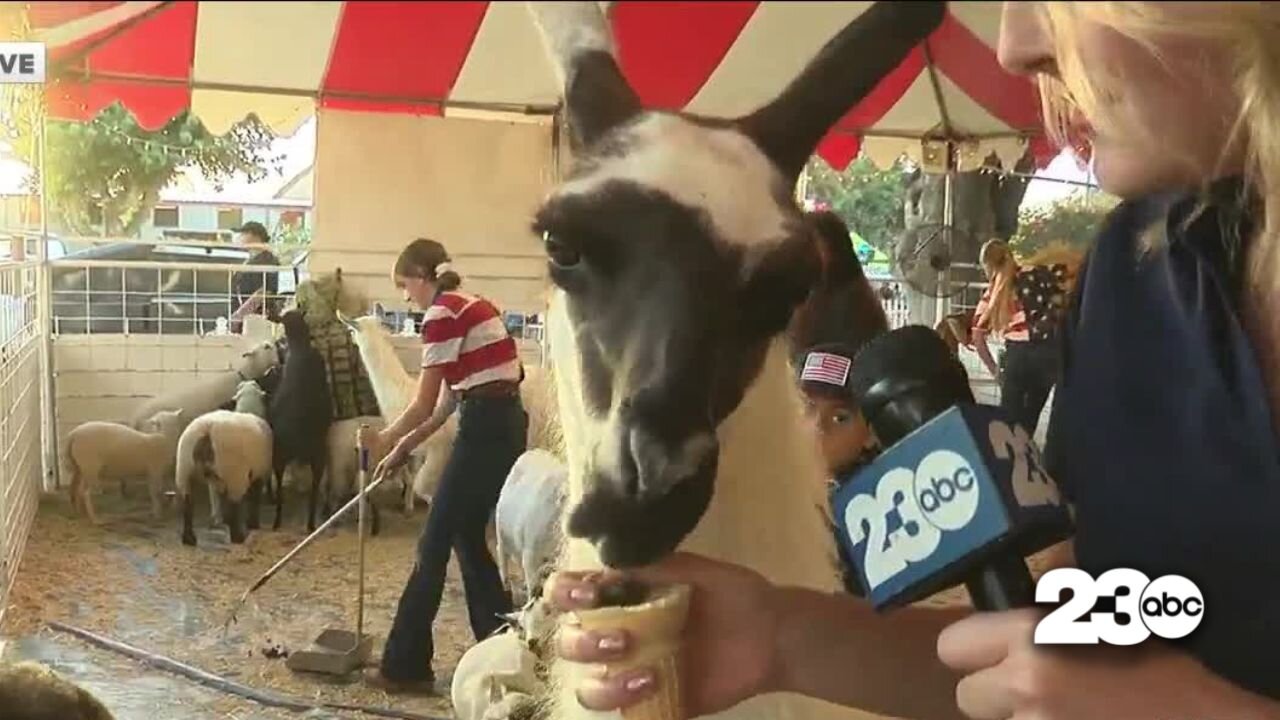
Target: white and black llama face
column 679, row 255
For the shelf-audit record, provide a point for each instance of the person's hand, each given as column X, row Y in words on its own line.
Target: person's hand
column 729, row 636
column 394, row 458
column 1006, row 676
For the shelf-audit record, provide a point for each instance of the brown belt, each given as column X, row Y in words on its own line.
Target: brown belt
column 495, row 389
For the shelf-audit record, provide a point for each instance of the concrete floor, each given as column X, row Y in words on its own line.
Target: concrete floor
column 134, row 692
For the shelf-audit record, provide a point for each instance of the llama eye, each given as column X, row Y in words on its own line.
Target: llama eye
column 560, row 253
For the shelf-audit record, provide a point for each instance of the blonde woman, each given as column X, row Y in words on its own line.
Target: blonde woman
column 1023, row 306
column 1162, row 433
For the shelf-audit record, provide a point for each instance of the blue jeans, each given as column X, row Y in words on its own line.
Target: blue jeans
column 491, row 436
column 1029, row 373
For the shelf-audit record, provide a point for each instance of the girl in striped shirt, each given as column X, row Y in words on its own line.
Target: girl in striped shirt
column 469, row 362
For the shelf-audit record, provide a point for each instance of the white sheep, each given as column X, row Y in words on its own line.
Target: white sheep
column 528, row 513
column 494, row 677
column 344, row 460
column 97, row 450
column 498, row 679
column 249, row 398
column 211, row 393
column 231, row 452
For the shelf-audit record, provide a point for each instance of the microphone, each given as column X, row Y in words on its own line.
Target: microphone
column 960, row 493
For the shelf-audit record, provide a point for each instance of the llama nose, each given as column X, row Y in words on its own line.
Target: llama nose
column 654, row 467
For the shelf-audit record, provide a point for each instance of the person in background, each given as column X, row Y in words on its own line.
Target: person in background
column 1023, row 305
column 468, row 353
column 1163, row 436
column 255, row 292
column 845, row 441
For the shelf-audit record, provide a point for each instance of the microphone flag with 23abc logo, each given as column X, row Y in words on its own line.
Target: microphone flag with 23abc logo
column 920, row 517
column 1169, row 607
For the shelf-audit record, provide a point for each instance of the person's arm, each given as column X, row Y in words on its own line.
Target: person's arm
column 978, row 334
column 442, row 338
column 438, row 418
column 979, row 337
column 836, row 648
column 420, row 409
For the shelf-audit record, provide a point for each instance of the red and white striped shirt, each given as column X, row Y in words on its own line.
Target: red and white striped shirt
column 464, row 336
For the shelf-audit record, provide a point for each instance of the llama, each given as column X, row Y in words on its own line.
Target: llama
column 394, row 388
column 678, row 257
column 843, row 306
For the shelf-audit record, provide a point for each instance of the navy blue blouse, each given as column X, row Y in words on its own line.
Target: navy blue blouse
column 1161, row 434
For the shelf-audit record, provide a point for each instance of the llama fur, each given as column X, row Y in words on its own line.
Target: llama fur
column 300, row 414
column 394, row 388
column 96, row 451
column 768, row 510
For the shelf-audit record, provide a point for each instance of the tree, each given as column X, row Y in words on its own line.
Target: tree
column 1073, row 220
column 868, row 199
column 105, row 175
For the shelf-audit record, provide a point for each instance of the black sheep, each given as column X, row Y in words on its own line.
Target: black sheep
column 300, row 413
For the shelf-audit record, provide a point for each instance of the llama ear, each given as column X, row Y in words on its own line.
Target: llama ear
column 843, row 72
column 777, row 283
column 342, row 318
column 578, row 42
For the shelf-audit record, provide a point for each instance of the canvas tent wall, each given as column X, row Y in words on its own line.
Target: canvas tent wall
column 382, row 180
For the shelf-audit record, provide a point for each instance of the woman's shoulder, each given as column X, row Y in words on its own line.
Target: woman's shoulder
column 454, row 303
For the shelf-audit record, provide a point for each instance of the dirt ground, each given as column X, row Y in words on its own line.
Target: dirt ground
column 132, row 580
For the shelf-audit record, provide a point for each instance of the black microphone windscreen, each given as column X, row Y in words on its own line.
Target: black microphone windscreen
column 906, row 377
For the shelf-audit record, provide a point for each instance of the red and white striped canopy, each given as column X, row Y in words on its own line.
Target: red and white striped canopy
column 280, row 60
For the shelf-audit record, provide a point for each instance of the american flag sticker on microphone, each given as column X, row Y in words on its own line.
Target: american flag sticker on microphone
column 826, row 368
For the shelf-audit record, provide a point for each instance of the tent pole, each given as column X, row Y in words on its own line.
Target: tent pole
column 948, row 222
column 44, row 316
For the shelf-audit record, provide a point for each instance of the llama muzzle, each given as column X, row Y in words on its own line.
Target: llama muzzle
column 642, row 502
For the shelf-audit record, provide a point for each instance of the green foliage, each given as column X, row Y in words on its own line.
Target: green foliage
column 114, row 164
column 289, row 240
column 869, row 200
column 1073, row 220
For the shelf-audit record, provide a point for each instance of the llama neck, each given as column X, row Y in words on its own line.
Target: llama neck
column 392, row 385
column 769, row 508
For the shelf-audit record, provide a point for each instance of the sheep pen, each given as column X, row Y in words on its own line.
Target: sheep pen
column 131, row 580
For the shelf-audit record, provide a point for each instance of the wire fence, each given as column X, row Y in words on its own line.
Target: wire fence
column 21, row 376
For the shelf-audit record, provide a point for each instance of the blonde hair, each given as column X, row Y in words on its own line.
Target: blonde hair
column 1249, row 35
column 1001, row 267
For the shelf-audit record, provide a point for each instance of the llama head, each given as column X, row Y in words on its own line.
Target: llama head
column 678, row 255
column 365, row 330
column 296, row 331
